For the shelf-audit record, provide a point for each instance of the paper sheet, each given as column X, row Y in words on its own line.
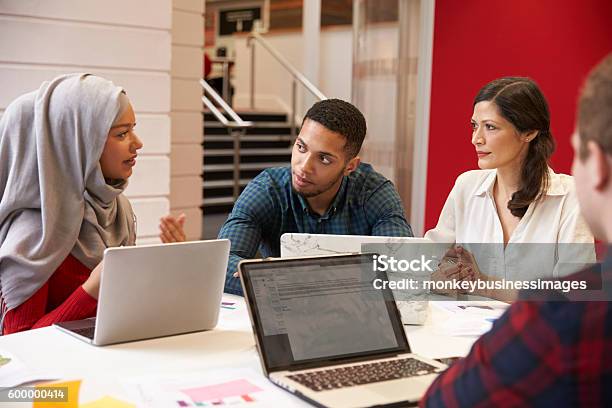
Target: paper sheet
column 468, row 318
column 14, row 372
column 234, row 387
column 216, row 392
column 233, row 315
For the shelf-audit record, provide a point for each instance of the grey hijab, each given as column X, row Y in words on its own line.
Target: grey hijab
column 54, row 200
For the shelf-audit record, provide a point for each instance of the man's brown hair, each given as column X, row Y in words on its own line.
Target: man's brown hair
column 595, row 108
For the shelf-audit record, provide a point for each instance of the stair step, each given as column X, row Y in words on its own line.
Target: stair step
column 283, row 131
column 224, row 183
column 267, row 144
column 248, row 138
column 252, row 116
column 244, row 166
column 255, row 124
column 247, row 152
column 218, row 200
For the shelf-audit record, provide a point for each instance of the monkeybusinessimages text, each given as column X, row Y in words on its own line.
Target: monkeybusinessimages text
column 421, row 266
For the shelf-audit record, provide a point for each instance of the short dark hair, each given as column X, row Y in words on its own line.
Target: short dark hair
column 521, row 102
column 595, row 108
column 341, row 117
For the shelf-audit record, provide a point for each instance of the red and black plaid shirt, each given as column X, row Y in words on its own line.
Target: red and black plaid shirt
column 552, row 354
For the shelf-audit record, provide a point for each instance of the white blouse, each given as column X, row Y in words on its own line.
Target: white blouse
column 470, row 216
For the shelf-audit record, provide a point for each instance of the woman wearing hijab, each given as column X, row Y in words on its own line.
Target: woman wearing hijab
column 66, row 152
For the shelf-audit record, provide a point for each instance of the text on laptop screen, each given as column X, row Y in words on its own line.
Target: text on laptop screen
column 319, row 309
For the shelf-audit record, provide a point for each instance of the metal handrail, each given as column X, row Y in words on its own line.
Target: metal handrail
column 287, row 65
column 297, row 76
column 237, row 123
column 236, row 128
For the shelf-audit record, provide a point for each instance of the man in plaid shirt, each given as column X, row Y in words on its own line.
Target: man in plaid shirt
column 552, row 353
column 327, row 190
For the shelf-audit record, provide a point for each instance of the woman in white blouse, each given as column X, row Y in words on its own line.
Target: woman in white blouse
column 515, row 197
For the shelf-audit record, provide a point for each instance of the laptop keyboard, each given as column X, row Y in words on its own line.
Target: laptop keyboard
column 363, row 374
column 85, row 332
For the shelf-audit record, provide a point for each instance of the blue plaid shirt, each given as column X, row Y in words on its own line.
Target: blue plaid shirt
column 366, row 204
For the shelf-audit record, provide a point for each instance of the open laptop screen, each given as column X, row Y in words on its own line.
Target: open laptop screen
column 310, row 311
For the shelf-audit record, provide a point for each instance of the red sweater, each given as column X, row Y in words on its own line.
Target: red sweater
column 60, row 299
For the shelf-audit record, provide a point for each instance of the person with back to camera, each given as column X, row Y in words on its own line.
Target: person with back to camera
column 66, row 152
column 515, row 197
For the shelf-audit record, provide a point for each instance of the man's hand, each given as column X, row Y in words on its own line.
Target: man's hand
column 171, row 229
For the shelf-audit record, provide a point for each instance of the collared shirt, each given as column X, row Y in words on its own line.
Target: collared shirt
column 366, row 204
column 549, row 354
column 470, row 216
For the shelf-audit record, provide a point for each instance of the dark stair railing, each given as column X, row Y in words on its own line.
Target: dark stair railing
column 236, row 128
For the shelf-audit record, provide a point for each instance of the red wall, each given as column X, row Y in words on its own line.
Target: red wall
column 555, row 42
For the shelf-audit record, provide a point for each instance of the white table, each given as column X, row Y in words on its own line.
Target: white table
column 102, row 369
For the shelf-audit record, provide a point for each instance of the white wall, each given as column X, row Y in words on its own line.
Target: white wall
column 273, row 83
column 128, row 42
column 377, row 93
column 336, row 62
column 186, row 105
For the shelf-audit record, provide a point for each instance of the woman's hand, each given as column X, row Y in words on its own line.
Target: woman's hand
column 459, row 255
column 457, row 265
column 171, row 229
column 468, row 263
column 448, row 271
column 92, row 284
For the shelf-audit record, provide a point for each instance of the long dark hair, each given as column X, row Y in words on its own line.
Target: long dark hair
column 521, row 102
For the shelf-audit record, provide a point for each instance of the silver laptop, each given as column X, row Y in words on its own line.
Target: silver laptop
column 300, row 244
column 324, row 333
column 156, row 290
column 413, row 310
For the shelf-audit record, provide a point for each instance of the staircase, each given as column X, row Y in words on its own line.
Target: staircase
column 267, row 144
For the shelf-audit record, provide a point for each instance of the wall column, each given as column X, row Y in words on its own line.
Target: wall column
column 186, row 113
